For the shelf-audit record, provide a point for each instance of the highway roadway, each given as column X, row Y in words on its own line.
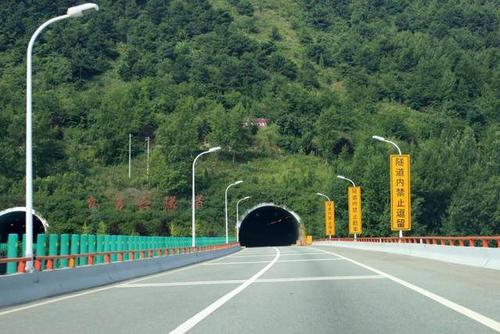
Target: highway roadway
column 318, row 289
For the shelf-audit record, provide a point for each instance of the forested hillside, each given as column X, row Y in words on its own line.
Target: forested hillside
column 190, row 74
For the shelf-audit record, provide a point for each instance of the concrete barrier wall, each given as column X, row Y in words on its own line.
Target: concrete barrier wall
column 470, row 256
column 21, row 288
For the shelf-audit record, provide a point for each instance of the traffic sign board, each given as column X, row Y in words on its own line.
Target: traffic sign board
column 400, row 192
column 354, row 198
column 329, row 218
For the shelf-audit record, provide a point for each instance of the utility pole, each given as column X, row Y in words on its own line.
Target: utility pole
column 129, row 155
column 147, row 163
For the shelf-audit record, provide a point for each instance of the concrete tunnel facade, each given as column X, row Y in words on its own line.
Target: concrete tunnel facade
column 268, row 224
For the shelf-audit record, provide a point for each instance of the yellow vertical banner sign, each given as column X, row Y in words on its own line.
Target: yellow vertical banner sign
column 354, row 198
column 329, row 218
column 400, row 192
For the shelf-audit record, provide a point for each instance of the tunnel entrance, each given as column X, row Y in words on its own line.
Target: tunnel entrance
column 269, row 225
column 13, row 221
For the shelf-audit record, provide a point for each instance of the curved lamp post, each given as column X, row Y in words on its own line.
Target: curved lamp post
column 354, row 185
column 76, row 11
column 323, row 195
column 328, row 199
column 399, row 152
column 238, row 216
column 225, row 201
column 346, row 179
column 193, row 196
column 387, row 141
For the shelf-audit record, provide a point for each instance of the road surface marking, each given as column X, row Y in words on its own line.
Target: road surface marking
column 318, row 278
column 280, row 261
column 281, row 255
column 191, row 322
column 170, row 284
column 484, row 320
column 108, row 287
column 261, row 280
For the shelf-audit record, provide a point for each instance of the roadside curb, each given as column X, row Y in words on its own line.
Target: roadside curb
column 488, row 258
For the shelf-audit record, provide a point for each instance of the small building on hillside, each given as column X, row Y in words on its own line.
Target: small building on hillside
column 257, row 122
column 261, row 122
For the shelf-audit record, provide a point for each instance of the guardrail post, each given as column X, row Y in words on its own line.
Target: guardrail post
column 53, row 239
column 21, row 265
column 63, row 263
column 41, row 250
column 12, row 252
column 142, row 246
column 124, row 248
column 119, row 247
column 471, row 243
column 485, row 243
column 99, row 248
column 148, row 246
column 75, row 240
column 131, row 247
column 84, row 249
column 107, row 247
column 113, row 241
column 91, row 250
column 136, row 247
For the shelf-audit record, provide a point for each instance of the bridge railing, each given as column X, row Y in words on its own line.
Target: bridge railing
column 70, row 251
column 467, row 241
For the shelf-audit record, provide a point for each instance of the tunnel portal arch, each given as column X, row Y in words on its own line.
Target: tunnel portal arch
column 13, row 220
column 268, row 224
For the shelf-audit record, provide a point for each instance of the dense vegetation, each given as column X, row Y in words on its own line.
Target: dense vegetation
column 329, row 74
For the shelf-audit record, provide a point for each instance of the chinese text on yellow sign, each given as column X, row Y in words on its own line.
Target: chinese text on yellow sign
column 400, row 193
column 329, row 218
column 354, row 197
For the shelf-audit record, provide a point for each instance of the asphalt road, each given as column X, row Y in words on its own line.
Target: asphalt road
column 280, row 290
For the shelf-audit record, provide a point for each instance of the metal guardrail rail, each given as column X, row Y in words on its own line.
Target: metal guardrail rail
column 55, row 251
column 48, row 262
column 462, row 241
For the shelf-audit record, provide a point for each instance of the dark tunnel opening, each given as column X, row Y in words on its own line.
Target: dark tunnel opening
column 15, row 222
column 269, row 226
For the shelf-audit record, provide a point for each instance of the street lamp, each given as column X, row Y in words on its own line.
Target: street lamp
column 323, row 195
column 225, row 199
column 238, row 217
column 354, row 185
column 387, row 141
column 399, row 151
column 346, row 179
column 328, row 198
column 193, row 196
column 76, row 11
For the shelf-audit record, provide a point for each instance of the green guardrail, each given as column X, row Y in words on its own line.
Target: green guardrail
column 76, row 244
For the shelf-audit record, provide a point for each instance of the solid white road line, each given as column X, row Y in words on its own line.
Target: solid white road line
column 280, row 261
column 261, row 280
column 484, row 320
column 191, row 322
column 170, row 284
column 318, row 278
column 281, row 255
column 105, row 288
